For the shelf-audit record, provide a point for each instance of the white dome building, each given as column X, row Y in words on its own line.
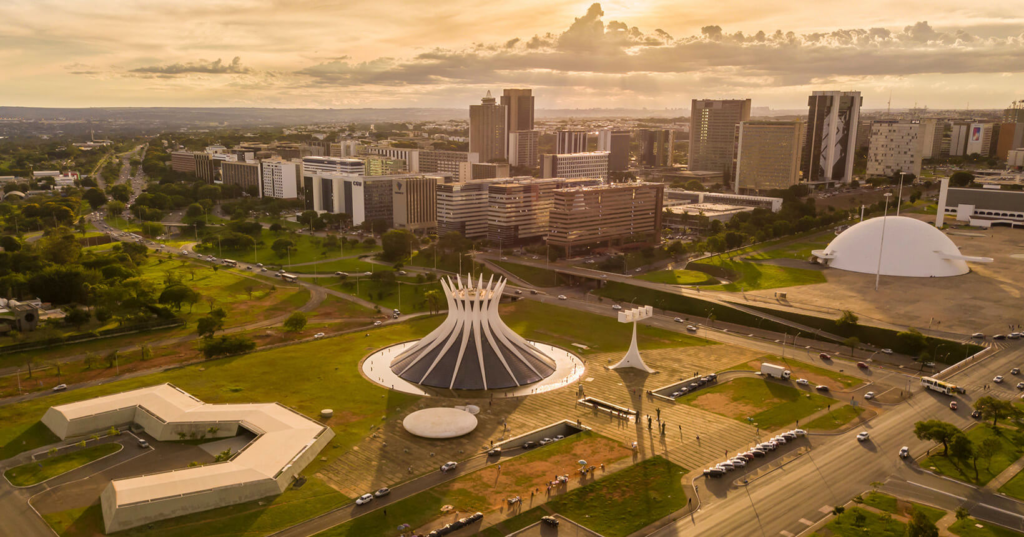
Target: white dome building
column 909, row 248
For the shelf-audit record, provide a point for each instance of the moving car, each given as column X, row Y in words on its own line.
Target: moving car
column 377, row 323
column 802, row 382
column 1015, row 371
column 952, row 405
column 824, row 356
column 448, row 466
column 691, row 328
column 60, row 387
column 821, row 387
column 494, row 451
column 978, row 335
column 616, row 307
column 529, row 445
column 976, row 414
column 862, row 365
column 382, row 492
column 998, row 379
column 869, row 395
column 862, row 436
column 886, row 351
column 1020, row 385
column 319, row 335
column 364, row 499
column 678, row 320
column 563, row 297
column 904, row 452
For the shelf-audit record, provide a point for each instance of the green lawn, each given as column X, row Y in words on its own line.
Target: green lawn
column 1011, row 449
column 752, row 276
column 532, row 275
column 387, row 295
column 340, row 265
column 884, row 502
column 835, row 419
column 1014, row 487
column 306, row 249
column 846, row 525
column 770, row 404
column 679, row 277
column 846, row 380
column 450, row 263
column 628, row 500
column 968, row 527
column 39, row 471
column 800, row 249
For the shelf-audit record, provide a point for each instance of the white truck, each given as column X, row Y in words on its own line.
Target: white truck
column 774, row 371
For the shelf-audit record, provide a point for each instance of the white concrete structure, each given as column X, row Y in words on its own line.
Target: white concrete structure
column 473, row 349
column 593, row 164
column 280, row 178
column 285, row 443
column 910, row 248
column 980, row 207
column 895, row 147
column 632, row 358
column 440, row 423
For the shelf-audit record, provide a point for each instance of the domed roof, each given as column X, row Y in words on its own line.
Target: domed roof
column 911, row 248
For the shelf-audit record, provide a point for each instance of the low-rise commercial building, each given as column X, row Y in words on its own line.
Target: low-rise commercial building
column 244, row 174
column 980, row 207
column 610, row 214
column 674, row 196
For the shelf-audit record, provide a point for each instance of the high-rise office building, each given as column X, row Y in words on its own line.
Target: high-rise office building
column 895, row 148
column 280, row 178
column 609, row 214
column 570, row 141
column 463, row 207
column 488, row 131
column 979, row 139
column 414, row 202
column 244, row 174
column 522, row 148
column 591, row 165
column 351, row 166
column 831, row 137
column 655, row 147
column 616, row 143
column 768, row 155
column 958, row 134
column 1011, row 136
column 518, row 209
column 1014, row 113
column 932, row 131
column 446, row 162
column 713, row 134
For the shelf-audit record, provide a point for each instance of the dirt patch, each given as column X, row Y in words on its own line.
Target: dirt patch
column 723, row 403
column 523, row 477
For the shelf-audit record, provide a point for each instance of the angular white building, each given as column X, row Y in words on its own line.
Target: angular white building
column 473, row 349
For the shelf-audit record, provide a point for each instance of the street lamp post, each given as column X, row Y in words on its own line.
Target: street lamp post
column 881, row 242
column 900, row 201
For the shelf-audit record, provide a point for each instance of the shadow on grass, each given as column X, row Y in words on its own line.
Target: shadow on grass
column 36, row 436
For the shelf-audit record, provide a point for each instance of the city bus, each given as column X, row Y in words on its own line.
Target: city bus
column 230, row 262
column 289, row 277
column 940, row 386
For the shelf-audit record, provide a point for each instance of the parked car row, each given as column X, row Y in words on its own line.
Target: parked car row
column 457, row 525
column 759, row 451
column 542, row 442
column 694, row 386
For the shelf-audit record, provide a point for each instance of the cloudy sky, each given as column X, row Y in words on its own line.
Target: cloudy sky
column 400, row 53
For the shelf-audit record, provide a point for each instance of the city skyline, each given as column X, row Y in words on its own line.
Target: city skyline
column 609, row 55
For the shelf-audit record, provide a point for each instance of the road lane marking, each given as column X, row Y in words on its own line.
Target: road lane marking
column 826, row 509
column 939, row 491
column 806, row 522
column 786, row 533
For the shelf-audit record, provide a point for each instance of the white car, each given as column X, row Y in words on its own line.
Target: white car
column 727, row 466
column 364, row 499
column 904, row 452
column 863, row 436
column 739, row 462
column 869, row 395
column 377, row 323
column 678, row 320
column 382, row 492
column 998, row 379
column 799, row 432
column 563, row 297
column 616, row 307
column 448, row 466
column 886, row 351
column 60, row 387
column 802, row 382
column 319, row 335
column 691, row 328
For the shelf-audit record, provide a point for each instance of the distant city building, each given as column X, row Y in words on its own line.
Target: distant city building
column 568, row 142
column 280, row 178
column 522, row 148
column 831, row 142
column 183, row 162
column 932, row 133
column 863, row 134
column 1011, row 136
column 445, row 162
column 1014, row 113
column 352, row 166
column 608, row 214
column 410, row 156
column 474, row 171
column 713, row 126
column 768, row 155
column 577, row 165
column 346, row 148
column 518, row 105
column 377, row 166
column 414, row 202
column 958, row 136
column 979, row 139
column 616, row 143
column 518, row 210
column 1015, row 159
column 244, row 174
column 895, row 147
column 488, row 131
column 462, row 207
column 655, row 147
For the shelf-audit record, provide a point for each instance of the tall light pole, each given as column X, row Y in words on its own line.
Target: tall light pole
column 900, row 201
column 881, row 242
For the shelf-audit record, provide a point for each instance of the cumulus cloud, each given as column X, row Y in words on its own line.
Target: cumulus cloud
column 216, row 67
column 591, row 47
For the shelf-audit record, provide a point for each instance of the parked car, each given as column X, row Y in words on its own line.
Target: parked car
column 529, row 445
column 714, row 472
column 739, row 462
column 999, row 336
column 545, row 441
column 382, row 492
column 60, row 387
column 549, row 520
column 799, row 432
column 790, row 435
column 863, row 436
column 364, row 499
column 824, row 356
column 143, row 444
column 727, row 466
column 759, row 453
column 904, row 452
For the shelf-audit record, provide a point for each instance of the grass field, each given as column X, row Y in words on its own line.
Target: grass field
column 627, row 500
column 679, row 277
column 968, row 527
column 846, row 525
column 835, row 419
column 749, row 276
column 817, row 375
column 770, row 404
column 532, row 275
column 884, row 502
column 800, row 249
column 340, row 265
column 1014, row 487
column 39, row 471
column 450, row 263
column 306, row 250
column 387, row 295
column 1011, row 448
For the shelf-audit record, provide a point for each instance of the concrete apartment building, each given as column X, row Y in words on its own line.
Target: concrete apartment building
column 488, row 130
column 831, row 143
column 463, row 207
column 1011, row 136
column 244, row 174
column 593, row 164
column 414, row 201
column 609, row 214
column 280, row 178
column 713, row 126
column 895, row 147
column 768, row 155
column 522, row 138
column 351, row 166
column 518, row 209
column 570, row 141
column 655, row 147
column 616, row 143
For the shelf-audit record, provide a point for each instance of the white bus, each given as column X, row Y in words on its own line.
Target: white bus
column 289, row 277
column 940, row 386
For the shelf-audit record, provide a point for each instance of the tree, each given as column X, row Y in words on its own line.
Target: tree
column 962, row 513
column 210, row 324
column 295, row 322
column 115, row 208
column 176, row 295
column 195, row 211
column 961, row 179
column 988, row 449
column 95, row 197
column 77, row 317
column 225, row 345
column 962, row 449
column 10, row 243
column 993, row 408
column 152, row 229
column 853, row 343
column 111, row 359
column 89, row 361
column 936, row 431
column 433, row 298
column 694, row 185
column 921, row 526
column 913, row 341
column 249, row 288
column 145, row 353
column 397, row 244
column 282, row 246
column 848, row 318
